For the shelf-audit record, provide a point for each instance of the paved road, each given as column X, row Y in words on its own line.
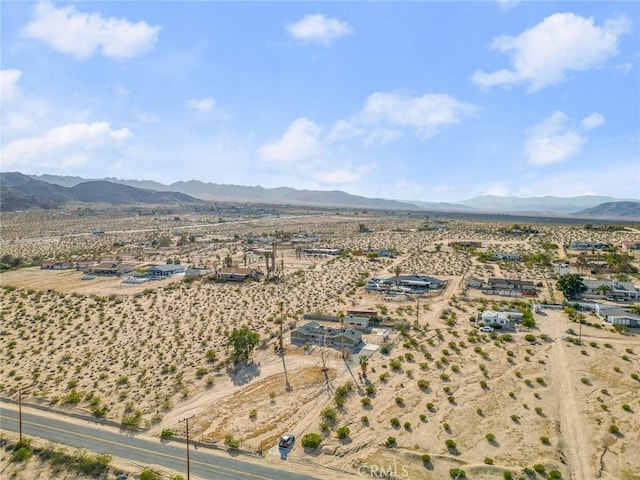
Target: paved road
column 141, row 451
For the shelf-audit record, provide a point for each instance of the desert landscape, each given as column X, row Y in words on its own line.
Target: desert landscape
column 428, row 395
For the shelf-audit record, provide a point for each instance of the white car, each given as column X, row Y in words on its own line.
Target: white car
column 486, row 328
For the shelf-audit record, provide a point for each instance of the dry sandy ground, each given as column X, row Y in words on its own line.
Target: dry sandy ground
column 149, row 348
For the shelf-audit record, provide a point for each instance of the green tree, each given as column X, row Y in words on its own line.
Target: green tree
column 571, row 285
column 243, row 341
column 364, row 361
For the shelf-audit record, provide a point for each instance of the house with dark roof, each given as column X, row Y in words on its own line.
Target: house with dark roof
column 317, row 334
column 53, row 265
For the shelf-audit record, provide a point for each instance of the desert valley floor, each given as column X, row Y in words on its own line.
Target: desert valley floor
column 433, row 394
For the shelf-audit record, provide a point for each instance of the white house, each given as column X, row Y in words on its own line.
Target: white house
column 490, row 317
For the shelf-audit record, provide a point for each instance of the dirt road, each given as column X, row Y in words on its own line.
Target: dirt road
column 576, row 445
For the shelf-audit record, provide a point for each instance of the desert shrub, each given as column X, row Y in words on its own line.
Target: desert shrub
column 423, row 384
column 329, row 414
column 311, row 440
column 555, row 474
column 365, row 401
column 399, row 401
column 451, row 444
column 426, row 458
column 343, row 432
column 21, row 454
column 166, row 433
column 538, row 468
column 530, row 337
column 614, row 429
column 626, row 408
column 507, row 475
column 395, row 422
column 488, row 461
column 391, row 441
column 490, row 437
column 457, row 473
column 545, row 440
column 231, row 442
column 148, row 474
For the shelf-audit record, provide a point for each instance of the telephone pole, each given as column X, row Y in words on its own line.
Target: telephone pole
column 20, row 414
column 186, row 420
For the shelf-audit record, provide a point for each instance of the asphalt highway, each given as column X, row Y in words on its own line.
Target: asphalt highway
column 139, row 450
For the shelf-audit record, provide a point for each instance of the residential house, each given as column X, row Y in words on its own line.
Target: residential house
column 503, row 318
column 612, row 289
column 111, row 268
column 359, row 323
column 317, row 334
column 84, row 265
column 587, row 245
column 237, row 274
column 619, row 316
column 509, row 287
column 163, row 271
column 53, row 265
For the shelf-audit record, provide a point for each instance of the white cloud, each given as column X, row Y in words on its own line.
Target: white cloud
column 9, row 84
column 562, row 42
column 341, row 176
column 386, row 115
column 553, row 141
column 318, row 28
column 202, row 104
column 299, row 142
column 66, row 144
column 497, row 189
column 508, row 4
column 592, row 121
column 82, row 34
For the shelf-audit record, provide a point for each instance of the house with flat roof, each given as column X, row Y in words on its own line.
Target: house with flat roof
column 359, row 323
column 163, row 271
column 53, row 265
column 503, row 318
column 237, row 274
column 612, row 289
column 317, row 334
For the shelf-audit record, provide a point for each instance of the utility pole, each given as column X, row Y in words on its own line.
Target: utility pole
column 20, row 414
column 186, row 420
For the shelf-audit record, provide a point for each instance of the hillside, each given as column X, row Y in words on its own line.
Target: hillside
column 241, row 193
column 21, row 192
column 624, row 210
column 546, row 204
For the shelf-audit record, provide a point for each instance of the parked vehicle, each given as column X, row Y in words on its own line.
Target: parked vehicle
column 486, row 328
column 287, row 442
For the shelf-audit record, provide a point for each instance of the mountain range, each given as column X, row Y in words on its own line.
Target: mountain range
column 21, row 192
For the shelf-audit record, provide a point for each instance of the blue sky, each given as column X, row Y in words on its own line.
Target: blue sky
column 431, row 101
